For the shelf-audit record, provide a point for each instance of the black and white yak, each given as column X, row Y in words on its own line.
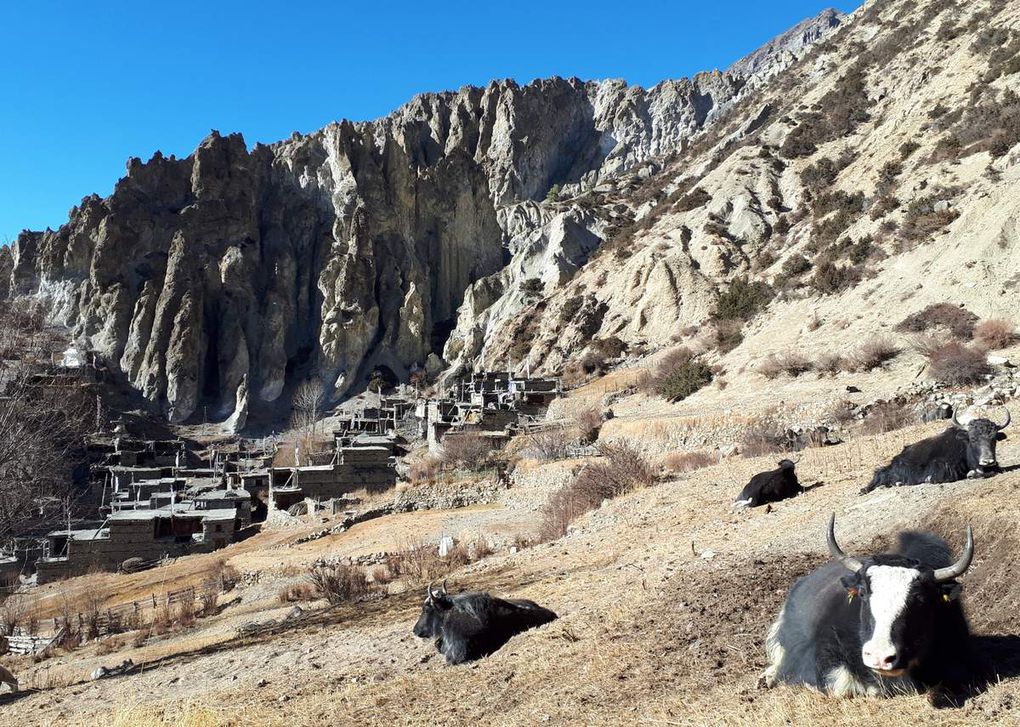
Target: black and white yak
column 879, row 625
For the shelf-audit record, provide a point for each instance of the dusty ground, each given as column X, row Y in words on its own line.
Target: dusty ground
column 664, row 597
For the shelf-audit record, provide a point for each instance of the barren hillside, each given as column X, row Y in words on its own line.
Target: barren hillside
column 664, row 597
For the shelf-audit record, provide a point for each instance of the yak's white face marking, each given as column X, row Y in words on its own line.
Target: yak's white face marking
column 890, row 586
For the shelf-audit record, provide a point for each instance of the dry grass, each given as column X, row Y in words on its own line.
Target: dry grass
column 995, row 334
column 681, row 462
column 887, row 417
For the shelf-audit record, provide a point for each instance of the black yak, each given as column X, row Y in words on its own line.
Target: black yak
column 772, row 486
column 468, row 626
column 959, row 452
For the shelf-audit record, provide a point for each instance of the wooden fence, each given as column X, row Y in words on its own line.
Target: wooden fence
column 108, row 621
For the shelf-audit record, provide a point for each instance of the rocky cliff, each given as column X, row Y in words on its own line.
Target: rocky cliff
column 216, row 282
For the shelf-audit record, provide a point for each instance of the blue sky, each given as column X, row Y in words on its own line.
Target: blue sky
column 86, row 85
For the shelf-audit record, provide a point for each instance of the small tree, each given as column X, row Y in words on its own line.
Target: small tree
column 309, row 399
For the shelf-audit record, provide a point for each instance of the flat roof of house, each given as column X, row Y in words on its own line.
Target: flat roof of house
column 90, row 534
column 224, row 495
column 306, row 468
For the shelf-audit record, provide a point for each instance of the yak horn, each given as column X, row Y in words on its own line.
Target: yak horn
column 431, row 595
column 956, row 422
column 959, row 567
column 850, row 563
column 1005, row 423
column 444, row 587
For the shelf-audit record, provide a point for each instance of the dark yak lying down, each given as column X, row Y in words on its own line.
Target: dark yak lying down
column 772, row 486
column 468, row 626
column 955, row 454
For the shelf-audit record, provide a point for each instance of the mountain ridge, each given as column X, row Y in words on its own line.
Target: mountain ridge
column 373, row 233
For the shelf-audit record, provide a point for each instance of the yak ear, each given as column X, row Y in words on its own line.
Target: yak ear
column 1000, row 436
column 850, row 580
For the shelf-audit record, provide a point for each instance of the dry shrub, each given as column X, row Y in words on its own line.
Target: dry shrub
column 184, row 614
column 928, row 344
column 764, row 435
column 589, row 424
column 887, row 416
column 873, row 354
column 13, row 613
column 995, row 333
column 110, row 645
column 297, row 592
column 162, row 619
column 958, row 320
column 425, row 470
column 788, row 364
column 467, row 450
column 139, row 640
column 91, row 610
column 381, row 575
column 209, row 598
column 338, row 582
column 419, row 563
column 727, row 335
column 680, row 462
column 621, row 469
column 957, row 364
column 457, row 556
column 548, row 444
column 480, row 548
column 831, row 363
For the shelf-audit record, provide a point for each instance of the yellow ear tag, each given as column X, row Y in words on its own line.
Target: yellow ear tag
column 850, row 595
column 945, row 597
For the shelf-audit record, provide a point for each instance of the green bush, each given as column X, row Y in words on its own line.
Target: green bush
column 684, row 379
column 742, row 299
column 570, row 308
column 832, row 278
column 692, row 200
column 532, row 286
column 795, row 265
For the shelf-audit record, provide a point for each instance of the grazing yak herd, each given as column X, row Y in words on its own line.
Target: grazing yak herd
column 871, row 625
